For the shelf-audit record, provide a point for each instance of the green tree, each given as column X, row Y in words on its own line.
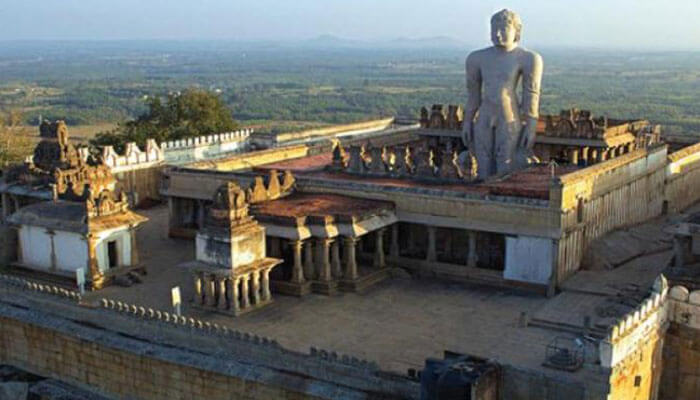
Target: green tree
column 191, row 113
column 15, row 141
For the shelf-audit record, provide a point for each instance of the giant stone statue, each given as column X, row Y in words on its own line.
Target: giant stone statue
column 493, row 129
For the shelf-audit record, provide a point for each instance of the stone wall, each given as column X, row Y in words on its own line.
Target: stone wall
column 210, row 147
column 633, row 347
column 683, row 178
column 127, row 351
column 681, row 355
column 593, row 201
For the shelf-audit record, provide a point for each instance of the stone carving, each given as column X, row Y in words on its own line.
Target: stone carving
column 229, row 208
column 424, row 118
column 376, row 164
column 355, row 163
column 455, row 115
column 338, row 161
column 449, row 164
column 437, row 117
column 574, row 123
column 492, row 128
column 424, row 163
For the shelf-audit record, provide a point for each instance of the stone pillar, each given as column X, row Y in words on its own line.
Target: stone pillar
column 678, row 250
column 584, row 155
column 324, row 264
column 297, row 268
column 379, row 261
column 336, row 268
column 573, row 156
column 235, row 303
column 210, row 282
column 431, row 254
column 471, row 256
column 394, row 247
column 245, row 300
column 200, row 214
column 266, row 296
column 350, row 261
column 6, row 211
column 255, row 285
column 448, row 244
column 222, row 293
column 173, row 211
column 197, row 288
column 309, row 260
column 93, row 268
column 134, row 247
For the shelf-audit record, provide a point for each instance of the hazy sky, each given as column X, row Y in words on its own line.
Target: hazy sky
column 596, row 23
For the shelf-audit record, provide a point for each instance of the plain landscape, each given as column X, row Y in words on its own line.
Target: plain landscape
column 96, row 85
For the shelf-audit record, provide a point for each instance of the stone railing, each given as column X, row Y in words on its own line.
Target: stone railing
column 441, row 162
column 185, row 150
column 235, row 136
column 40, row 287
column 644, row 323
column 205, row 147
column 133, row 157
column 220, row 331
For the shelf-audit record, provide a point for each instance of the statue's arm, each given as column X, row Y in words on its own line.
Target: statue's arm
column 473, row 97
column 532, row 82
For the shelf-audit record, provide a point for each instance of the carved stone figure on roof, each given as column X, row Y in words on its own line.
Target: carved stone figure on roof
column 492, row 126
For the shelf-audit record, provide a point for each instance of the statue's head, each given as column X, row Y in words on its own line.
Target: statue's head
column 505, row 29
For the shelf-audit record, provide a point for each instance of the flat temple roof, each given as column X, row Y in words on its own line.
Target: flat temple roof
column 532, row 182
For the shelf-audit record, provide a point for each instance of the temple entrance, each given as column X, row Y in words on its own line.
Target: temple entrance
column 112, row 256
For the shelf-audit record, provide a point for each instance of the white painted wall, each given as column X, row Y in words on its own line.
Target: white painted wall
column 528, row 259
column 36, row 247
column 123, row 238
column 71, row 251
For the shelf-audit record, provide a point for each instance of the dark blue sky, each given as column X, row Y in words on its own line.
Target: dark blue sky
column 635, row 24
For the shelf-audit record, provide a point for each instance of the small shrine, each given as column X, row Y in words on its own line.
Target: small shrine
column 231, row 272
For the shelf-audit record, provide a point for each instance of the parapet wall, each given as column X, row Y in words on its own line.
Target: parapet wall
column 683, row 178
column 133, row 157
column 126, row 351
column 634, row 346
column 176, row 151
column 595, row 200
column 205, row 147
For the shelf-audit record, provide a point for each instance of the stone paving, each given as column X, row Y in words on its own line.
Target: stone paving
column 397, row 323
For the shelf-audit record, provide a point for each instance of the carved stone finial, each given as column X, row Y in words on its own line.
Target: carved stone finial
column 355, row 162
column 424, row 163
column 376, row 164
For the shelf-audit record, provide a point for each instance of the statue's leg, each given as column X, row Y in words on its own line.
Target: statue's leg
column 507, row 136
column 483, row 147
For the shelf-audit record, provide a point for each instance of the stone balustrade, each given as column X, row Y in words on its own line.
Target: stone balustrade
column 428, row 161
column 40, row 287
column 235, row 136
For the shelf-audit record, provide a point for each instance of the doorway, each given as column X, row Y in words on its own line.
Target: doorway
column 112, row 256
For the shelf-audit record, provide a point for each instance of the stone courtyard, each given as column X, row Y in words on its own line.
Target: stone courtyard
column 400, row 322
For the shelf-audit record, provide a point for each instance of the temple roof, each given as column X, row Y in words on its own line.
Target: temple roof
column 71, row 217
column 321, row 204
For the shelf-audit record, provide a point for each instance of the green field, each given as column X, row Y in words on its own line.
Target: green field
column 98, row 84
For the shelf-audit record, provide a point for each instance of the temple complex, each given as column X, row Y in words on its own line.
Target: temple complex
column 472, row 253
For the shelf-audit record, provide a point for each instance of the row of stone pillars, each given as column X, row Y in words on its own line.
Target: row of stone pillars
column 237, row 294
column 431, row 253
column 319, row 260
